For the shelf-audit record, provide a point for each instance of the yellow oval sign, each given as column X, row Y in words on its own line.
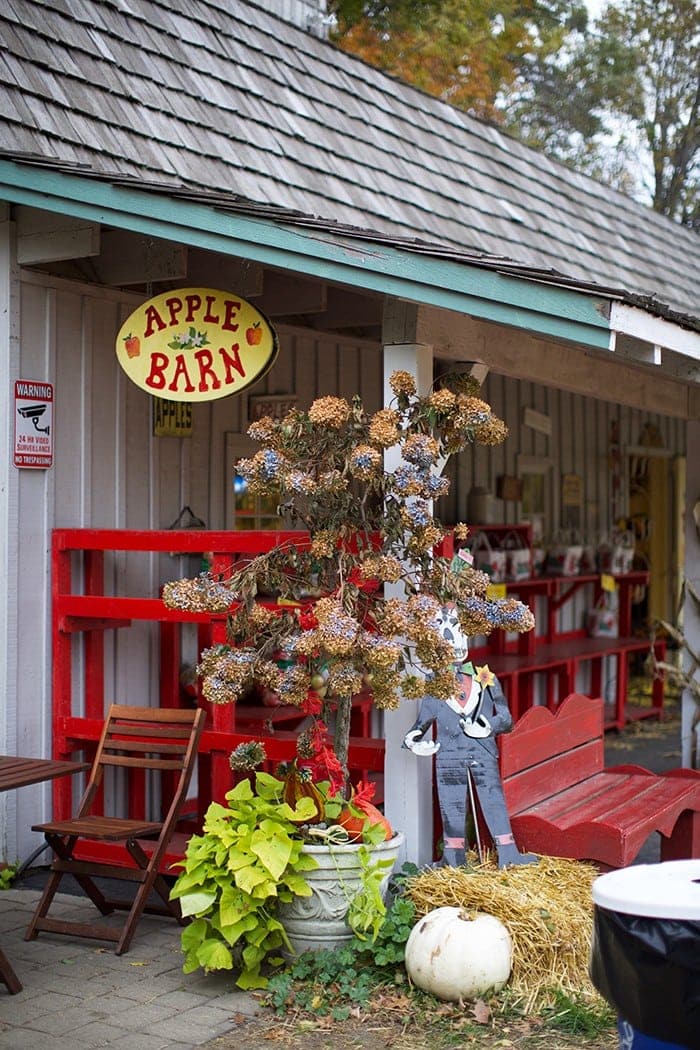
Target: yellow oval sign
column 196, row 344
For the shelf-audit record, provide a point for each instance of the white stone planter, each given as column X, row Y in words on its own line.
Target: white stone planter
column 319, row 921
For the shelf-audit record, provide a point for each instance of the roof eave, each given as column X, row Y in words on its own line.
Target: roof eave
column 521, row 302
column 640, row 336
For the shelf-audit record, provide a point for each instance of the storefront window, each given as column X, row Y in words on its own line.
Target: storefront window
column 252, row 512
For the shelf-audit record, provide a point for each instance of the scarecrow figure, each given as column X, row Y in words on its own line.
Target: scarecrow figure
column 467, row 754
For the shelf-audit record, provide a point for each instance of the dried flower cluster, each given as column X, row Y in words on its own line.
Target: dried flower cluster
column 367, row 527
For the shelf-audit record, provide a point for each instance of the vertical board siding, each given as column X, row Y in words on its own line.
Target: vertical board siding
column 111, row 473
column 579, row 444
column 9, row 531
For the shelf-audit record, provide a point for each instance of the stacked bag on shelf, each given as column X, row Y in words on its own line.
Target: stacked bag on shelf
column 616, row 552
column 518, row 557
column 569, row 555
column 511, row 560
column 564, row 555
column 489, row 558
column 601, row 619
column 506, row 561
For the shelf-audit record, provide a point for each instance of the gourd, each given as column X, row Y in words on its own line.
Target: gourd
column 360, row 810
column 455, row 955
column 298, row 784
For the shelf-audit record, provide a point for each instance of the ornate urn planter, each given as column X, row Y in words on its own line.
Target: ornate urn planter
column 320, row 921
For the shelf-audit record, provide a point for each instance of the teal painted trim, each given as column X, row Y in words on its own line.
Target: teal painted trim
column 520, row 302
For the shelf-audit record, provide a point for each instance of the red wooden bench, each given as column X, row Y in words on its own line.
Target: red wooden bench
column 563, row 802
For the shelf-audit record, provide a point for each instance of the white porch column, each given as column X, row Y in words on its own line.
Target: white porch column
column 408, row 778
column 9, row 371
column 691, row 613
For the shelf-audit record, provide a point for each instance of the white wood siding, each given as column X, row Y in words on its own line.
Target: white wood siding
column 110, row 472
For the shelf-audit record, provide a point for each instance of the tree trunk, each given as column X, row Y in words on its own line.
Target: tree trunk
column 342, row 731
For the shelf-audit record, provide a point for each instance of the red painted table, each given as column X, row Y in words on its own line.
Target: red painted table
column 16, row 773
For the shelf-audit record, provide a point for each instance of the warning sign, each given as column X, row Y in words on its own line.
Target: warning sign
column 33, row 424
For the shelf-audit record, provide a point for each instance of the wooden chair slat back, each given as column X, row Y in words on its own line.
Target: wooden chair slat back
column 137, row 738
column 169, row 716
column 126, row 729
column 144, row 747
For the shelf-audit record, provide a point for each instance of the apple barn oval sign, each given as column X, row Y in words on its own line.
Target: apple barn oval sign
column 196, row 344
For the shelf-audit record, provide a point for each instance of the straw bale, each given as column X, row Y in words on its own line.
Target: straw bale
column 547, row 909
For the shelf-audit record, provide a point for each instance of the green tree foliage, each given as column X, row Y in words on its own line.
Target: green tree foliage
column 649, row 52
column 627, row 90
column 618, row 99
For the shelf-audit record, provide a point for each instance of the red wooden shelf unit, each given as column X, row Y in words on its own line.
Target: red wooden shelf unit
column 84, row 618
column 556, row 657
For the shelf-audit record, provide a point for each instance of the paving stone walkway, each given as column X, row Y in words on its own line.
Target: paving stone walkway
column 82, row 995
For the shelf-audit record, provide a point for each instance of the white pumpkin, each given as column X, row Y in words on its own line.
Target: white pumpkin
column 456, row 956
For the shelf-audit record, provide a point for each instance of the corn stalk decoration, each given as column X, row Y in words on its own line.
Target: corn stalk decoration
column 684, row 674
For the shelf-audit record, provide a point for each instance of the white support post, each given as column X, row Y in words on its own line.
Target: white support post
column 408, row 779
column 691, row 613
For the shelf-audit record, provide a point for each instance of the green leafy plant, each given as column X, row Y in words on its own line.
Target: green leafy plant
column 367, row 908
column 235, row 875
column 8, row 874
column 331, row 983
column 250, row 860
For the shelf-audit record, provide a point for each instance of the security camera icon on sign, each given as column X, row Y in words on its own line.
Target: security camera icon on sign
column 34, row 412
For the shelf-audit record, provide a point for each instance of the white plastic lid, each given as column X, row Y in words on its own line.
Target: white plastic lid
column 663, row 891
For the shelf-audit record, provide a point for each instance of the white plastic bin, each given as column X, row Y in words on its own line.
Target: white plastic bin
column 645, row 956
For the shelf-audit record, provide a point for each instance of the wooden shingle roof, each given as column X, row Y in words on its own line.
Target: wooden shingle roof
column 220, row 95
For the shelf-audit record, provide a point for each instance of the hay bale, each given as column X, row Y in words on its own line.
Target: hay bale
column 547, row 909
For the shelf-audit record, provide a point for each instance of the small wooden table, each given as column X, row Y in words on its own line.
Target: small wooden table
column 16, row 773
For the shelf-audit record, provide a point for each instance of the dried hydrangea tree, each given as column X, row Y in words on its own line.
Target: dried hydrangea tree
column 366, row 526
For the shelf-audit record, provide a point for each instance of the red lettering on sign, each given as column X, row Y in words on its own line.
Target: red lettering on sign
column 174, row 305
column 181, row 370
column 153, row 318
column 209, row 317
column 231, row 361
column 205, row 361
column 156, row 377
column 232, row 308
column 194, row 303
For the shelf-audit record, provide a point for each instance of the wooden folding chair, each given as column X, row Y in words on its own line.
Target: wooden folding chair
column 140, row 738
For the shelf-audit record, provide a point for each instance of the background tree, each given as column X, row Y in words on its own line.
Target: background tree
column 626, row 90
column 467, row 52
column 656, row 70
column 618, row 99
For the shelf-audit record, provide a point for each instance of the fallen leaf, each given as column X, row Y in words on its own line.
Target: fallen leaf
column 481, row 1012
column 309, row 1026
